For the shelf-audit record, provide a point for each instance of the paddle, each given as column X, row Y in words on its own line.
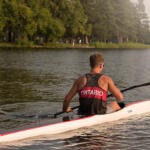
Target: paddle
column 75, row 107
column 127, row 89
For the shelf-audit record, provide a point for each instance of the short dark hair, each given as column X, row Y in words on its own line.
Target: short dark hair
column 96, row 59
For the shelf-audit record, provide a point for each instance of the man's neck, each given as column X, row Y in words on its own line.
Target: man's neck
column 95, row 71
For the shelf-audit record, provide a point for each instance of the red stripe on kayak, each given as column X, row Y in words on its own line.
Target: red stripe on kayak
column 44, row 126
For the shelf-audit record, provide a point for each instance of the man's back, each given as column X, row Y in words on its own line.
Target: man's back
column 93, row 99
column 104, row 82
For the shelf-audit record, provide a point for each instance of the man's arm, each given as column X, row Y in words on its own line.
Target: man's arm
column 114, row 90
column 69, row 96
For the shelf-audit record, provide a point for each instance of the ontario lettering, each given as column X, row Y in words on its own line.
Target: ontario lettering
column 92, row 92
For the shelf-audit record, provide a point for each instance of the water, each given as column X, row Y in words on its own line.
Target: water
column 34, row 83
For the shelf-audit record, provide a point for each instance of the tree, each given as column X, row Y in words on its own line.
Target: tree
column 100, row 16
column 72, row 15
column 51, row 20
column 2, row 20
column 48, row 27
column 116, row 21
column 143, row 23
column 18, row 20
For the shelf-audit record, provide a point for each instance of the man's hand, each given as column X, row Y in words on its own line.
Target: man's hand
column 68, row 109
column 121, row 104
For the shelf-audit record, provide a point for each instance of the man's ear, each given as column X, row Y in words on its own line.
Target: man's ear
column 101, row 66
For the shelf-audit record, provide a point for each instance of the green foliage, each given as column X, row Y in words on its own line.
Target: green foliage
column 24, row 42
column 117, row 21
column 47, row 26
column 72, row 15
column 44, row 21
column 2, row 23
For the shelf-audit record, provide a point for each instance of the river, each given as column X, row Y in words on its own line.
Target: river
column 33, row 82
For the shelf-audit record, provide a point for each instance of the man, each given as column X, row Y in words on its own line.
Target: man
column 92, row 89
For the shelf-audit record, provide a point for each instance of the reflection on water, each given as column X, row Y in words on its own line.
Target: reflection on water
column 19, row 85
column 16, row 86
column 34, row 83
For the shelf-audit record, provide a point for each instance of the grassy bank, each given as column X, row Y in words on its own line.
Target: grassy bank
column 64, row 45
column 119, row 46
column 46, row 45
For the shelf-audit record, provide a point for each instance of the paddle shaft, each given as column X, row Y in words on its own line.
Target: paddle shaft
column 124, row 90
column 133, row 87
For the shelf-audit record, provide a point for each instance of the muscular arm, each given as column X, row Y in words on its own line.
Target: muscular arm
column 78, row 84
column 114, row 90
column 69, row 96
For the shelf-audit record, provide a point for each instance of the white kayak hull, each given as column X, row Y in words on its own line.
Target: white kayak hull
column 129, row 110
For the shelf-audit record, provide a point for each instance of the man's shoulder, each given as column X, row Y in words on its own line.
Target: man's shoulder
column 105, row 77
column 81, row 78
column 81, row 82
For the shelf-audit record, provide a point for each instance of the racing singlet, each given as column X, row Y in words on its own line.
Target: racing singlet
column 92, row 98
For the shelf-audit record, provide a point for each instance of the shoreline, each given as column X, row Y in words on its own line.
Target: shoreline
column 76, row 46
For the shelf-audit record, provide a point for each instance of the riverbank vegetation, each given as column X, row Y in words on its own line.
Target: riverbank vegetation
column 73, row 24
column 127, row 45
column 102, row 45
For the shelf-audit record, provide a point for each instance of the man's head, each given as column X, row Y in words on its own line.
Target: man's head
column 96, row 60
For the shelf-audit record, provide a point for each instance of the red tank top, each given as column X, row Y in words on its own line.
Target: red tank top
column 93, row 99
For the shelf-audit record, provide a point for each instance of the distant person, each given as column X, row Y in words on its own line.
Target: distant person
column 92, row 89
column 80, row 41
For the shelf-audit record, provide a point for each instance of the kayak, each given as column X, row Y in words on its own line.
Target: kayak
column 64, row 124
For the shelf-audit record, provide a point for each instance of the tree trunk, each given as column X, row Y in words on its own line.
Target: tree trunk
column 86, row 39
column 127, row 39
column 120, row 39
